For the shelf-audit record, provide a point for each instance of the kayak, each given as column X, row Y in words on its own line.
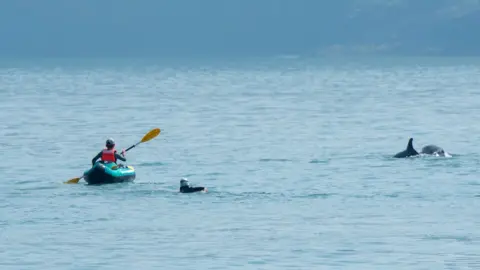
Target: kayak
column 109, row 173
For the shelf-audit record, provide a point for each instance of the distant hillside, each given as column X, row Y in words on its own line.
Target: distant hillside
column 171, row 28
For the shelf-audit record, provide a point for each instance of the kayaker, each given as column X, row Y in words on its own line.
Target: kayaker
column 109, row 154
column 186, row 188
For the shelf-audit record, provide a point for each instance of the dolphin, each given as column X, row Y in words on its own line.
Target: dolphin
column 430, row 149
column 408, row 152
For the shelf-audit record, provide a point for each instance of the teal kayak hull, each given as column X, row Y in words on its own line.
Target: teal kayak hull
column 109, row 173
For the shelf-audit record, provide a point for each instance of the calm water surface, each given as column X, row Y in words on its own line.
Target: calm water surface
column 296, row 155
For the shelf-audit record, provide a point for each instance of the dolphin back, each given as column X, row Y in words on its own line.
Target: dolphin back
column 401, row 154
column 432, row 149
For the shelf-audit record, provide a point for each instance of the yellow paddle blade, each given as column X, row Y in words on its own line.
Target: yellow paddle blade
column 73, row 181
column 150, row 135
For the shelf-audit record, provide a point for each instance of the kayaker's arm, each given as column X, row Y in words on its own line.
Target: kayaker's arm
column 122, row 158
column 99, row 155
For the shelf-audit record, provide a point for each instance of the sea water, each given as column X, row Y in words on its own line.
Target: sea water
column 296, row 155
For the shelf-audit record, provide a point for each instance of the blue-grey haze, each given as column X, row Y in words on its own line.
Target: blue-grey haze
column 227, row 28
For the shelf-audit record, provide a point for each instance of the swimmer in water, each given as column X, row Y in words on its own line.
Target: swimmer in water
column 186, row 188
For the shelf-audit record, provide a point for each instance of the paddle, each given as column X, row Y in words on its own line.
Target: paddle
column 150, row 135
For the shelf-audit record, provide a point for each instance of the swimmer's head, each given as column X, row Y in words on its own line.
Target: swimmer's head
column 184, row 182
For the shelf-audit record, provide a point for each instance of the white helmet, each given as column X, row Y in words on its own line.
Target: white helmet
column 110, row 142
column 184, row 182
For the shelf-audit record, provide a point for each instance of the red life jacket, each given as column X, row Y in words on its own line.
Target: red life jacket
column 108, row 155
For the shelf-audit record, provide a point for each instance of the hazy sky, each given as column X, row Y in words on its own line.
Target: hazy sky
column 228, row 27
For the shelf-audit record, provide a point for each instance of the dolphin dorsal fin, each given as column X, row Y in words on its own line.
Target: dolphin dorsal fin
column 410, row 144
column 410, row 148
